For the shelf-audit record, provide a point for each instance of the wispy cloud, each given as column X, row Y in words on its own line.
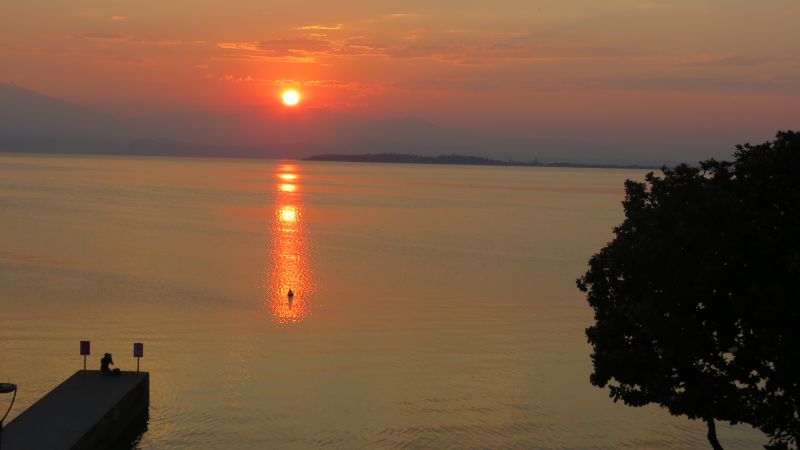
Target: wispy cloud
column 459, row 47
column 729, row 60
column 251, row 46
column 117, row 18
column 684, row 83
column 353, row 87
column 263, row 57
column 301, row 50
column 105, row 36
column 117, row 37
column 165, row 42
column 338, row 26
column 281, row 47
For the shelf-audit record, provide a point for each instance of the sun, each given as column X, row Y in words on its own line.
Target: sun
column 290, row 97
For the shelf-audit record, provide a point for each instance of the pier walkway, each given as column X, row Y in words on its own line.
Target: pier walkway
column 86, row 411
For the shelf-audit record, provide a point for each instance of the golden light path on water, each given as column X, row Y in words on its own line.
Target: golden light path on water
column 288, row 266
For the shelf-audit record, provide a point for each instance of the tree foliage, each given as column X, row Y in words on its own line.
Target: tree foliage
column 697, row 297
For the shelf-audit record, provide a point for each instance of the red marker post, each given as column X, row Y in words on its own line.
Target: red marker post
column 85, row 351
column 138, row 352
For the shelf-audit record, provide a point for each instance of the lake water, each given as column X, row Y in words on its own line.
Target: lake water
column 434, row 306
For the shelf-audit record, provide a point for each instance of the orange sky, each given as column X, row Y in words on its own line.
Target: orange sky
column 524, row 67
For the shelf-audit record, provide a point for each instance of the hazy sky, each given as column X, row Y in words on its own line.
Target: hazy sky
column 709, row 71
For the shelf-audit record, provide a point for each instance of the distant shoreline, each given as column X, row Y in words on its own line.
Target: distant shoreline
column 404, row 158
column 384, row 158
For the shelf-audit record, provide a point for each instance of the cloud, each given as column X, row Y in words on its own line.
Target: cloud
column 116, row 37
column 682, row 83
column 338, row 26
column 300, row 50
column 297, row 45
column 310, row 49
column 729, row 61
column 117, row 18
column 163, row 42
column 252, row 46
column 260, row 57
column 281, row 47
column 473, row 54
column 439, row 46
column 350, row 86
column 105, row 36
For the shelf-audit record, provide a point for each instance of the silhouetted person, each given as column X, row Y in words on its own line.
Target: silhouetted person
column 290, row 294
column 106, row 361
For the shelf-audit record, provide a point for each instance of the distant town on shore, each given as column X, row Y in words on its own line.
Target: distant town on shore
column 404, row 158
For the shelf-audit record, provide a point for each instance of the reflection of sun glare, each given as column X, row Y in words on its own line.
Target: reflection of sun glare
column 288, row 213
column 287, row 187
column 288, row 265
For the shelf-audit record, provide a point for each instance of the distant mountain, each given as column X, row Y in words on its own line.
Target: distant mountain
column 31, row 122
column 34, row 122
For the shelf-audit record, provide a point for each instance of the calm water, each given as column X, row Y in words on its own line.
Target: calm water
column 434, row 307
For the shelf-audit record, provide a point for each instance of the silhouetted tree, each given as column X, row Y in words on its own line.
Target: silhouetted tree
column 697, row 297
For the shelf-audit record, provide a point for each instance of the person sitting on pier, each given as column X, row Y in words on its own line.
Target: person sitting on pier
column 105, row 361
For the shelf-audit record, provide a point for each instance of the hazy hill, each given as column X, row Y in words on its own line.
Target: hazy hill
column 34, row 122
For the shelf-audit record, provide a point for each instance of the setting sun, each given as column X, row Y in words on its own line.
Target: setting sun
column 290, row 98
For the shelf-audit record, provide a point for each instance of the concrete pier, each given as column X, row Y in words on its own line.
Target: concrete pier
column 87, row 411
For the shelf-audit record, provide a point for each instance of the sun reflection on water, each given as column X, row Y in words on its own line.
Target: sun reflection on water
column 288, row 265
column 288, row 213
column 287, row 176
column 287, row 187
